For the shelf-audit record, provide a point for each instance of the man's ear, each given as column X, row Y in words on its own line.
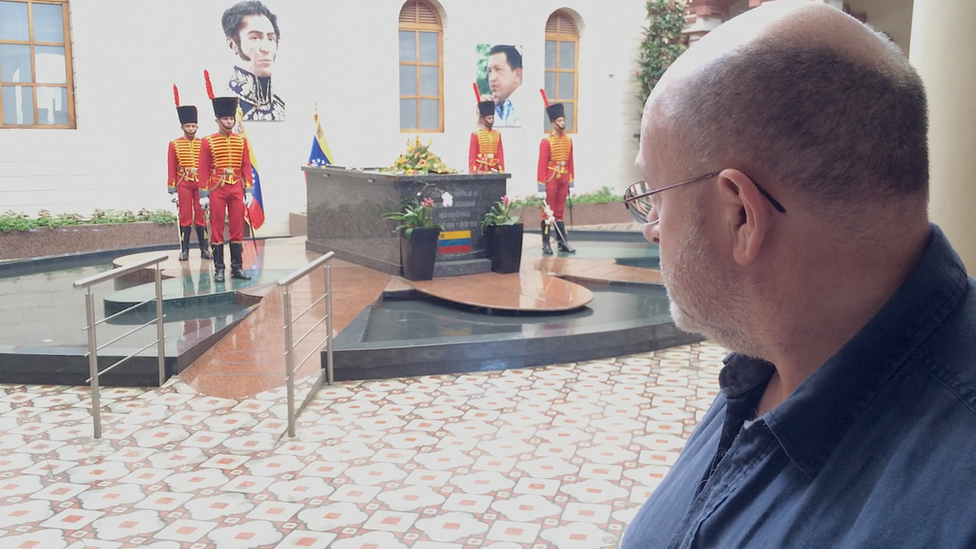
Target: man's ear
column 747, row 212
column 232, row 44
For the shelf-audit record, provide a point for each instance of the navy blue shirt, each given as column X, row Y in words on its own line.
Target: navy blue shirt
column 876, row 449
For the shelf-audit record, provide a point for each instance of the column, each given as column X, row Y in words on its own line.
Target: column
column 942, row 42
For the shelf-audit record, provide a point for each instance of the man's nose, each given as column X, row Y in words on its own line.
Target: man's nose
column 652, row 229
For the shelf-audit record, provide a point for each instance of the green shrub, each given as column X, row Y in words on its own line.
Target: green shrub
column 14, row 221
column 603, row 196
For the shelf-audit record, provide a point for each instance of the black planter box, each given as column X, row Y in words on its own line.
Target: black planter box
column 418, row 253
column 505, row 247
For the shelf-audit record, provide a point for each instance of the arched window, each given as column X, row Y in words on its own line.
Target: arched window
column 562, row 74
column 421, row 68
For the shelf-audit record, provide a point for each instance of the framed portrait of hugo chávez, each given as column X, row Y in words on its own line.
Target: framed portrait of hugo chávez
column 498, row 73
column 253, row 36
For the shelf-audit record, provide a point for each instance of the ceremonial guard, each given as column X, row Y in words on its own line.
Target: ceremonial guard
column 555, row 173
column 182, row 182
column 225, row 172
column 485, row 152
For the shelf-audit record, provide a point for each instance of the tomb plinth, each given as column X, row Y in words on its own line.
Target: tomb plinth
column 346, row 207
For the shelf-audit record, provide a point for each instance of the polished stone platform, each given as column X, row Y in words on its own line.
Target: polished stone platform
column 558, row 308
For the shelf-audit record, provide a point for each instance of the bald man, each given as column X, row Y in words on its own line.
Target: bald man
column 786, row 171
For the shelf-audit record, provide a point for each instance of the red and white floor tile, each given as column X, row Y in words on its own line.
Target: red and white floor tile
column 558, row 456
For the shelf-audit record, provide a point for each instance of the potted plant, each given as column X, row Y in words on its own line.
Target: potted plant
column 418, row 237
column 503, row 233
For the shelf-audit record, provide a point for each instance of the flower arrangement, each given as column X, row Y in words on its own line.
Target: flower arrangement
column 419, row 160
column 417, row 212
column 499, row 214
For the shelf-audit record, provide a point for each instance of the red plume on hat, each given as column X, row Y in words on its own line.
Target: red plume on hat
column 186, row 113
column 206, row 77
column 544, row 98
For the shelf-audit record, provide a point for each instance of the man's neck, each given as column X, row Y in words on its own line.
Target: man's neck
column 833, row 311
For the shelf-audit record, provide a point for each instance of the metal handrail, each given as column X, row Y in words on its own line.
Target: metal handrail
column 290, row 344
column 93, row 346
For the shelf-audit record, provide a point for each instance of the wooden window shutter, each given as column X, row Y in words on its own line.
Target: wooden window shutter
column 560, row 23
column 417, row 12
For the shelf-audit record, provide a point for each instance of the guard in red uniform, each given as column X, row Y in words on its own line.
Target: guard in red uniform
column 183, row 154
column 485, row 153
column 225, row 171
column 555, row 174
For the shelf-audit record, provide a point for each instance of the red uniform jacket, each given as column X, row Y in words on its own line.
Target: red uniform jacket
column 183, row 156
column 485, row 153
column 555, row 159
column 224, row 160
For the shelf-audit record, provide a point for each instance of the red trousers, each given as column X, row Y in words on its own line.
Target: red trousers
column 557, row 190
column 191, row 213
column 227, row 200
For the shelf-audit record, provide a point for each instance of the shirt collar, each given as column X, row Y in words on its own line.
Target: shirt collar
column 813, row 420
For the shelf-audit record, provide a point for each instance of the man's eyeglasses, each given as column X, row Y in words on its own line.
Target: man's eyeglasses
column 637, row 197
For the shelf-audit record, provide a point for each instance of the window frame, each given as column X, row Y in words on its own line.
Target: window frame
column 33, row 85
column 416, row 28
column 558, row 38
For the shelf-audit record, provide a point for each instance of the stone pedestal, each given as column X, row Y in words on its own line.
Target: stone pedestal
column 346, row 207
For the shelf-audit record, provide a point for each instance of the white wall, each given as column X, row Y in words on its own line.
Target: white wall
column 342, row 55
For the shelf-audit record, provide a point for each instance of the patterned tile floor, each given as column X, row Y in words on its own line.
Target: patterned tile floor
column 558, row 456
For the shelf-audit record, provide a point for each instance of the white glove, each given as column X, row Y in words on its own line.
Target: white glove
column 248, row 198
column 205, row 202
column 175, row 198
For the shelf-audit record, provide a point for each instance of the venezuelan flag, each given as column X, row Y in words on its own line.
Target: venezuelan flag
column 255, row 212
column 320, row 155
column 454, row 242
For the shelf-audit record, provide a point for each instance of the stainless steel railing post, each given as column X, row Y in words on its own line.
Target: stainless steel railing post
column 93, row 363
column 88, row 283
column 330, row 377
column 289, row 359
column 160, row 332
column 290, row 367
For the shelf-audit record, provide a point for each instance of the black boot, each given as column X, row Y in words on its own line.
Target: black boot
column 218, row 262
column 204, row 243
column 563, row 240
column 185, row 243
column 237, row 261
column 546, row 249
